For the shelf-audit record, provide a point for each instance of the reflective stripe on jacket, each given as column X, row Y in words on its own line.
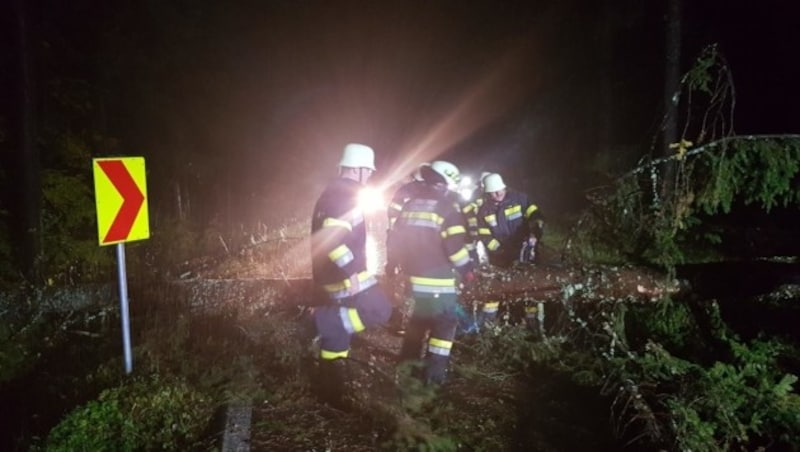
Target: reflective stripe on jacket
column 506, row 223
column 338, row 239
column 401, row 195
column 429, row 237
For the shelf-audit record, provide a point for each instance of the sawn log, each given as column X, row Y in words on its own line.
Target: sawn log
column 540, row 283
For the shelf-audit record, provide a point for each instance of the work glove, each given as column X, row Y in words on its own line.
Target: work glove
column 470, row 277
column 527, row 254
column 466, row 320
column 469, row 280
column 355, row 285
column 392, row 269
column 473, row 255
column 537, row 228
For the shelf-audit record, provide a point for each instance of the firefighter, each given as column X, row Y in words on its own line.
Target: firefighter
column 470, row 211
column 354, row 301
column 429, row 243
column 467, row 320
column 403, row 193
column 510, row 228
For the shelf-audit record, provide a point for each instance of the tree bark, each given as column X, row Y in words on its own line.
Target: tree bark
column 584, row 283
column 672, row 74
column 544, row 284
column 28, row 151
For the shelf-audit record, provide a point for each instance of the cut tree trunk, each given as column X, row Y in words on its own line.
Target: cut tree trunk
column 587, row 283
column 544, row 284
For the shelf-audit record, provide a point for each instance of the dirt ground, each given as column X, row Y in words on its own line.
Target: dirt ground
column 482, row 406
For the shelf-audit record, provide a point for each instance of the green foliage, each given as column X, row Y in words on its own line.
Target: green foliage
column 70, row 253
column 175, row 243
column 756, row 171
column 631, row 224
column 142, row 414
column 667, row 322
column 415, row 417
column 655, row 214
column 661, row 371
column 15, row 351
column 27, row 334
column 700, row 76
column 506, row 348
column 744, row 403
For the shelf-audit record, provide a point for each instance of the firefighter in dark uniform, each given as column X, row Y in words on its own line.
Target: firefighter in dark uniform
column 403, row 193
column 470, row 211
column 354, row 301
column 429, row 243
column 510, row 227
column 468, row 320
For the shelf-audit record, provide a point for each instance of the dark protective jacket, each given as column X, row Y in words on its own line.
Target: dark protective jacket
column 504, row 227
column 403, row 193
column 470, row 211
column 429, row 237
column 338, row 239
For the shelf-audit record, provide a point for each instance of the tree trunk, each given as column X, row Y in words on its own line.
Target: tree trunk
column 29, row 158
column 544, row 284
column 179, row 201
column 672, row 74
column 605, row 104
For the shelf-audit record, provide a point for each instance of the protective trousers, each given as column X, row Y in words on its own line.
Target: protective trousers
column 434, row 316
column 337, row 322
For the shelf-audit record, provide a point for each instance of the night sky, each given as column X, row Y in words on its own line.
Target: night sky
column 247, row 104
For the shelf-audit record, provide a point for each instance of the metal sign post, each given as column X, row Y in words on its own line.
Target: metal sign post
column 123, row 305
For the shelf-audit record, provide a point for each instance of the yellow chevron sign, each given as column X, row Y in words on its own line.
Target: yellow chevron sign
column 120, row 191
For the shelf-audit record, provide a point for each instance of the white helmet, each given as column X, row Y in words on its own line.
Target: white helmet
column 492, row 183
column 483, row 176
column 358, row 156
column 449, row 172
column 418, row 173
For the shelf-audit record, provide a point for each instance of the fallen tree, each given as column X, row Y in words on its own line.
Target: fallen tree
column 555, row 283
column 540, row 283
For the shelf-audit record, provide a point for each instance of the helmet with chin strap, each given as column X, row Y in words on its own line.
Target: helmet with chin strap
column 483, row 176
column 448, row 171
column 418, row 173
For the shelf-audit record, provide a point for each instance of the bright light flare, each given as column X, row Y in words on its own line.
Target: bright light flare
column 371, row 200
column 466, row 188
column 373, row 255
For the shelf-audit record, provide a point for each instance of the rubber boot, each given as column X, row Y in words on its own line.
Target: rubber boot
column 331, row 383
column 397, row 322
column 534, row 319
column 435, row 369
column 306, row 331
column 467, row 323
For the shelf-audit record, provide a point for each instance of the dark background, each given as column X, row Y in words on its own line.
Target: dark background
column 244, row 106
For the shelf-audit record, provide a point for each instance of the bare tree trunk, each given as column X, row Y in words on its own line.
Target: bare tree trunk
column 30, row 161
column 179, row 201
column 546, row 285
column 672, row 74
column 606, row 101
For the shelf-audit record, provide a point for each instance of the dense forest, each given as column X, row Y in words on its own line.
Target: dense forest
column 660, row 138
